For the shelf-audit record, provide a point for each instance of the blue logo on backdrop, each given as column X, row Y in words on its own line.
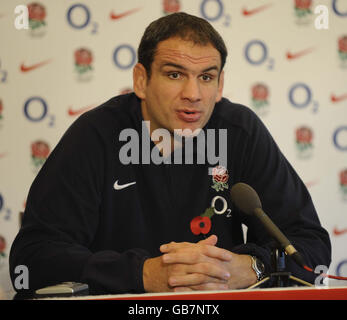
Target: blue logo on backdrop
column 336, row 10
column 336, row 136
column 339, row 267
column 306, row 99
column 130, row 51
column 40, row 103
column 213, row 10
column 85, row 21
column 262, row 58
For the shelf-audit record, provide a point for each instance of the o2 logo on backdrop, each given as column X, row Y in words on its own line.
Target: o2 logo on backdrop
column 36, row 110
column 124, row 56
column 79, row 17
column 5, row 213
column 336, row 4
column 213, row 11
column 340, row 138
column 257, row 53
column 300, row 96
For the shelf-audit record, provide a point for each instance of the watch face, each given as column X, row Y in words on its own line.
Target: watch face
column 260, row 265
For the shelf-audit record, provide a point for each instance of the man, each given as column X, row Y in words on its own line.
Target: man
column 147, row 227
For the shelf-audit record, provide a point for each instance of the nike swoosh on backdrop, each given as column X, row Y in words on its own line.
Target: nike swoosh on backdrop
column 114, row 16
column 251, row 12
column 117, row 186
column 338, row 232
column 76, row 112
column 24, row 68
column 338, row 99
column 292, row 56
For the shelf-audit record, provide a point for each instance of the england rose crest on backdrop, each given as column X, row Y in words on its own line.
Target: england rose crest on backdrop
column 304, row 142
column 260, row 96
column 303, row 12
column 171, row 6
column 342, row 50
column 39, row 154
column 1, row 116
column 37, row 15
column 343, row 184
column 83, row 64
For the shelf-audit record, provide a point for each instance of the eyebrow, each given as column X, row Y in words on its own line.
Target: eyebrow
column 170, row 64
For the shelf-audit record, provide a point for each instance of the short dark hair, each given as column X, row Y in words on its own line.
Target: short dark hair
column 181, row 25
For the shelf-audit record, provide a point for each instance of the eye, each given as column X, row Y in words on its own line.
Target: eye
column 206, row 77
column 174, row 75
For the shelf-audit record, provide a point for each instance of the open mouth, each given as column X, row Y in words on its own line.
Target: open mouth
column 189, row 116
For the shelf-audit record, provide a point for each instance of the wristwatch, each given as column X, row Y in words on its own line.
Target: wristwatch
column 258, row 268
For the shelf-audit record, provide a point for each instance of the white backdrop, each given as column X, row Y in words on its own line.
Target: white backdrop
column 77, row 54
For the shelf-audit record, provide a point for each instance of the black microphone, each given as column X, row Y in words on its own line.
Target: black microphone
column 247, row 200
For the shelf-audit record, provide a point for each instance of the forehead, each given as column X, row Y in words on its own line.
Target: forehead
column 183, row 52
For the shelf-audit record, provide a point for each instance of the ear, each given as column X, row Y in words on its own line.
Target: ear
column 140, row 80
column 220, row 86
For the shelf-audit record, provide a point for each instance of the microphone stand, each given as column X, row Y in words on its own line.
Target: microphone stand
column 280, row 278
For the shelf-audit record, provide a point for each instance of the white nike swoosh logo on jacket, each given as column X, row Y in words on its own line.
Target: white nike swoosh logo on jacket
column 117, row 186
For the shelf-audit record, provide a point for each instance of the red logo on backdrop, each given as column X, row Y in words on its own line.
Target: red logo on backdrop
column 1, row 109
column 343, row 183
column 304, row 138
column 39, row 153
column 37, row 15
column 171, row 6
column 260, row 95
column 342, row 49
column 2, row 249
column 83, row 63
column 303, row 11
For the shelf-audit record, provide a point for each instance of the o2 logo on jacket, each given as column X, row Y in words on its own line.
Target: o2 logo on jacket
column 124, row 56
column 340, row 138
column 213, row 10
column 336, row 4
column 300, row 96
column 36, row 110
column 257, row 53
column 79, row 17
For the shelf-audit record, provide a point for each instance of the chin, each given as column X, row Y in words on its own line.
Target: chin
column 188, row 132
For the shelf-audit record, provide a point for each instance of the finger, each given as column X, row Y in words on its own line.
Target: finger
column 193, row 279
column 210, row 287
column 211, row 240
column 197, row 254
column 182, row 289
column 212, row 269
column 175, row 246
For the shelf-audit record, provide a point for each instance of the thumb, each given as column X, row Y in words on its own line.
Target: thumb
column 211, row 240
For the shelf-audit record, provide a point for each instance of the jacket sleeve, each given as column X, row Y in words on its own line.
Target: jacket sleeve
column 61, row 219
column 286, row 201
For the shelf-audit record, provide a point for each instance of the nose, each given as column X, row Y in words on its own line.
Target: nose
column 191, row 90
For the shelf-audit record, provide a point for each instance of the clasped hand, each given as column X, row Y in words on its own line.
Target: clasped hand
column 197, row 266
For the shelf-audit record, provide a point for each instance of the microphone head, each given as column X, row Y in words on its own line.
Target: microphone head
column 245, row 198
